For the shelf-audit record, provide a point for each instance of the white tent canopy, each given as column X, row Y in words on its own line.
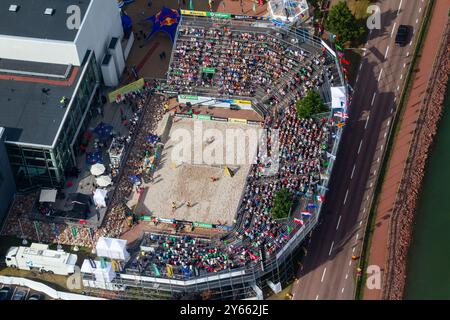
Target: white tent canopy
column 288, row 10
column 99, row 198
column 112, row 248
column 103, row 181
column 98, row 169
column 106, row 274
column 48, row 195
column 338, row 98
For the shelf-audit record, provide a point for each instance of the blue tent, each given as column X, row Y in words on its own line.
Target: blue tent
column 103, row 130
column 127, row 24
column 166, row 20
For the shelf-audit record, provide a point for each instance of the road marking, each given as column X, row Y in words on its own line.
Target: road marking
column 379, row 77
column 346, row 276
column 417, row 20
column 393, row 29
column 382, row 146
column 360, row 223
column 398, row 88
column 401, row 76
column 323, row 274
column 410, row 44
column 317, row 297
column 364, row 210
column 353, row 250
column 400, row 6
column 407, row 54
column 350, row 262
column 371, row 184
column 357, row 78
column 367, row 198
column 367, row 121
column 373, row 98
column 360, row 144
column 357, row 236
column 345, row 199
column 385, row 134
column 404, row 65
column 342, row 290
column 387, row 50
column 360, row 67
column 378, row 160
column 339, row 221
column 388, row 123
column 331, row 248
column 353, row 171
column 392, row 109
column 420, row 9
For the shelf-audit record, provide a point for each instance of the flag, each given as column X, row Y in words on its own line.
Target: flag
column 169, row 270
column 341, row 114
column 289, row 229
column 74, row 232
column 346, row 62
column 320, row 198
column 338, row 46
column 155, row 269
column 306, row 214
column 312, row 206
column 191, row 5
column 340, row 124
column 340, row 55
column 345, row 70
column 299, row 221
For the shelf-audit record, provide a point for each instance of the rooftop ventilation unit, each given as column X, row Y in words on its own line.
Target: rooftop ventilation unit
column 49, row 11
column 13, row 8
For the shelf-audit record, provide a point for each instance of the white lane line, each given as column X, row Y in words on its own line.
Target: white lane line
column 393, row 29
column 345, row 199
column 417, row 20
column 360, row 67
column 342, row 290
column 404, row 65
column 379, row 77
column 382, row 146
column 387, row 50
column 331, row 248
column 360, row 223
column 357, row 78
column 350, row 262
column 400, row 6
column 373, row 98
column 378, row 160
column 367, row 121
column 385, row 134
column 407, row 54
column 346, row 276
column 398, row 88
column 357, row 236
column 339, row 221
column 388, row 123
column 323, row 274
column 317, row 297
column 360, row 144
column 353, row 250
column 420, row 9
column 410, row 44
column 364, row 211
column 353, row 171
column 401, row 76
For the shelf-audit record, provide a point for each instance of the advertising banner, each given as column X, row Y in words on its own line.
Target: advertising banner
column 203, row 225
column 219, row 119
column 252, row 122
column 234, row 120
column 203, row 117
column 134, row 86
column 183, row 115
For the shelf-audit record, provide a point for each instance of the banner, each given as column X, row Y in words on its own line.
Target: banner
column 219, row 119
column 234, row 120
column 203, row 117
column 134, row 86
column 166, row 220
column 194, row 13
column 209, row 70
column 203, row 225
column 183, row 115
column 252, row 122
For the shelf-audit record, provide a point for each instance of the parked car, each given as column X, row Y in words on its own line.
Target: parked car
column 20, row 294
column 402, row 35
column 5, row 293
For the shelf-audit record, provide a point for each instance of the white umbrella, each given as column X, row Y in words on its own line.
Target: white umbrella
column 98, row 169
column 103, row 181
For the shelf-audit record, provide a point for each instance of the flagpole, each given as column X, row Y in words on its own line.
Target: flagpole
column 37, row 232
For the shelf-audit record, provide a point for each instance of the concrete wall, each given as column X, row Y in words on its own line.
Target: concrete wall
column 102, row 22
column 7, row 184
column 39, row 50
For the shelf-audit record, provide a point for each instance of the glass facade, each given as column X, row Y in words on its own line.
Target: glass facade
column 45, row 167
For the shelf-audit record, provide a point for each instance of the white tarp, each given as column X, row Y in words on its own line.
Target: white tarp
column 99, row 198
column 338, row 98
column 112, row 248
column 106, row 274
column 48, row 196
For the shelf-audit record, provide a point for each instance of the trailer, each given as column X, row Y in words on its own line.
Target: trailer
column 39, row 257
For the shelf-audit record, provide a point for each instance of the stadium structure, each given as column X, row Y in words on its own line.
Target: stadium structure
column 266, row 271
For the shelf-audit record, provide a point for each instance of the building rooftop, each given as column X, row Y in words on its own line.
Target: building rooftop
column 31, row 21
column 30, row 108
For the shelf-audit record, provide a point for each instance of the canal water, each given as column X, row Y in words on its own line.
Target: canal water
column 428, row 268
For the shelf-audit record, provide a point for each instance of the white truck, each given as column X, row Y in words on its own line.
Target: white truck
column 39, row 257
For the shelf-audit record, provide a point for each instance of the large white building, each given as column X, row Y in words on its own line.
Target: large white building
column 44, row 59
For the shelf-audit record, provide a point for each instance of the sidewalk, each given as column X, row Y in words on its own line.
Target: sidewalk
column 379, row 251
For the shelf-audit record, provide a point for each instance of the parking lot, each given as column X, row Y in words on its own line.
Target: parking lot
column 8, row 292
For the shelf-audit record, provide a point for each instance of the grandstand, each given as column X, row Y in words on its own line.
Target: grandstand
column 226, row 61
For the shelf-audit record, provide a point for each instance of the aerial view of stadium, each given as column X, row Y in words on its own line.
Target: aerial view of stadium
column 223, row 150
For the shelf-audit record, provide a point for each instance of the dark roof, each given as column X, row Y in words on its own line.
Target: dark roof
column 30, row 20
column 28, row 114
column 50, row 70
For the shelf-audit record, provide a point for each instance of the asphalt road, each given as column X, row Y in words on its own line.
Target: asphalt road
column 328, row 271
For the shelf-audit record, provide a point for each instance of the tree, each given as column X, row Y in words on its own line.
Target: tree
column 310, row 105
column 343, row 23
column 282, row 204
